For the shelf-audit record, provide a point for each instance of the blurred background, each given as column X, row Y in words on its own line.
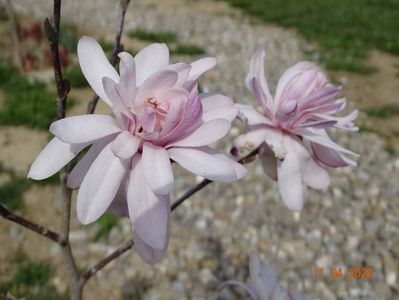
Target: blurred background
column 353, row 223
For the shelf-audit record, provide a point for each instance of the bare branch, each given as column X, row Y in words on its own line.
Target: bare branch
column 48, row 233
column 118, row 47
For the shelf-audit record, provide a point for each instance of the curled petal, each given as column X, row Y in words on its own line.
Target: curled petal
column 53, row 157
column 95, row 66
column 84, row 128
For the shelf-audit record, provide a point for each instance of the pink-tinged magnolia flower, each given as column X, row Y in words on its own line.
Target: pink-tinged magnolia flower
column 291, row 131
column 159, row 117
column 263, row 283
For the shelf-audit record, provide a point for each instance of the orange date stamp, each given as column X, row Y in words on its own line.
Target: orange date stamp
column 350, row 273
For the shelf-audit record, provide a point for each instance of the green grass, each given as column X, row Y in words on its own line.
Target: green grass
column 69, row 37
column 345, row 30
column 104, row 226
column 169, row 38
column 383, row 112
column 12, row 192
column 187, row 49
column 31, row 280
column 159, row 37
column 26, row 103
column 75, row 76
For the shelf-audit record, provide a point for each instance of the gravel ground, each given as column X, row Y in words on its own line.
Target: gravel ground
column 353, row 223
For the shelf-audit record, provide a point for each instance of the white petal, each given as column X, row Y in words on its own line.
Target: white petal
column 84, row 128
column 216, row 106
column 290, row 177
column 127, row 83
column 250, row 140
column 125, row 145
column 95, row 65
column 157, row 169
column 274, row 139
column 148, row 254
column 53, row 157
column 149, row 212
column 100, row 185
column 251, row 116
column 203, row 164
column 206, row 134
column 149, row 60
column 201, row 66
column 76, row 176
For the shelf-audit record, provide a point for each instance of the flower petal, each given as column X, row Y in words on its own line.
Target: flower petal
column 200, row 66
column 290, row 177
column 148, row 254
column 100, row 185
column 157, row 169
column 205, row 134
column 119, row 205
column 110, row 88
column 251, row 116
column 268, row 160
column 95, row 66
column 77, row 174
column 53, row 157
column 149, row 60
column 149, row 212
column 125, row 145
column 330, row 157
column 216, row 106
column 250, row 140
column 127, row 82
column 84, row 128
column 204, row 164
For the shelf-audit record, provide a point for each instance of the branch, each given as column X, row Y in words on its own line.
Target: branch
column 129, row 244
column 48, row 233
column 118, row 47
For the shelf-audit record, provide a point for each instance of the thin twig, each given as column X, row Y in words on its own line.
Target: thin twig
column 52, row 30
column 14, row 33
column 129, row 244
column 118, row 47
column 48, row 233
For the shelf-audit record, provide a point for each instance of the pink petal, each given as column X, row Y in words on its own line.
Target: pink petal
column 53, row 157
column 204, row 164
column 149, row 60
column 217, row 106
column 330, row 157
column 148, row 254
column 251, row 116
column 274, row 139
column 110, row 88
column 100, row 185
column 84, row 128
column 149, row 212
column 313, row 174
column 78, row 173
column 182, row 70
column 119, row 205
column 125, row 145
column 289, row 176
column 250, row 140
column 269, row 161
column 95, row 66
column 201, row 66
column 256, row 81
column 127, row 83
column 205, row 134
column 157, row 169
column 155, row 85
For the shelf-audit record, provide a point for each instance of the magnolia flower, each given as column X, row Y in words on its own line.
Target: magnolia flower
column 263, row 283
column 291, row 131
column 159, row 118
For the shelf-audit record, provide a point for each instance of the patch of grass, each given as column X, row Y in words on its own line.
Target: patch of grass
column 345, row 30
column 3, row 13
column 11, row 193
column 75, row 76
column 160, row 37
column 188, row 49
column 383, row 112
column 104, row 226
column 26, row 103
column 31, row 280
